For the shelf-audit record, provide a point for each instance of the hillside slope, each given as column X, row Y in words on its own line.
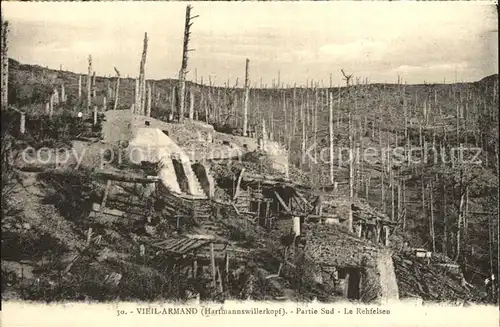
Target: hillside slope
column 446, row 207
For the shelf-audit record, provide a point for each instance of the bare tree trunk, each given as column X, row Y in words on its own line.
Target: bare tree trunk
column 459, row 225
column 172, row 103
column 51, row 105
column 351, row 174
column 141, row 88
column 117, row 89
column 5, row 64
column 191, row 104
column 148, row 105
column 79, row 87
column 89, row 85
column 422, row 182
column 403, row 204
column 184, row 65
column 137, row 104
column 315, row 126
column 431, row 200
column 444, row 215
column 391, row 174
column 109, row 94
column 382, row 174
column 93, row 86
column 303, row 121
column 204, row 101
column 245, row 101
column 330, row 125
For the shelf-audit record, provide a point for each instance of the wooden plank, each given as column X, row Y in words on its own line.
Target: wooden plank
column 302, row 198
column 299, row 204
column 235, row 208
column 113, row 212
column 282, row 202
column 124, row 177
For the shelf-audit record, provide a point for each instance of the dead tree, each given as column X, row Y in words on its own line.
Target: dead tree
column 117, row 88
column 245, row 102
column 79, row 87
column 137, row 101
column 5, row 63
column 330, row 125
column 351, row 173
column 93, row 86
column 141, row 96
column 89, row 85
column 347, row 78
column 191, row 104
column 148, row 103
column 185, row 51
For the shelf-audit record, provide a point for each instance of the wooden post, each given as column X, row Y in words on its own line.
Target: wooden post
column 219, row 281
column 195, row 268
column 95, row 115
column 104, row 104
column 245, row 102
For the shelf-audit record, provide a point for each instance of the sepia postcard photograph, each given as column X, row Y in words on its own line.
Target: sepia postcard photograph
column 285, row 163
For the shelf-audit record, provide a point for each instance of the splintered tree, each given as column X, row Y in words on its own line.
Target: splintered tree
column 347, row 78
column 148, row 103
column 89, row 85
column 93, row 86
column 5, row 63
column 141, row 95
column 115, row 106
column 245, row 101
column 330, row 128
column 183, row 71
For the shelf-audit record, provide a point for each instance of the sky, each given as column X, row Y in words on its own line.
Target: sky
column 300, row 41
